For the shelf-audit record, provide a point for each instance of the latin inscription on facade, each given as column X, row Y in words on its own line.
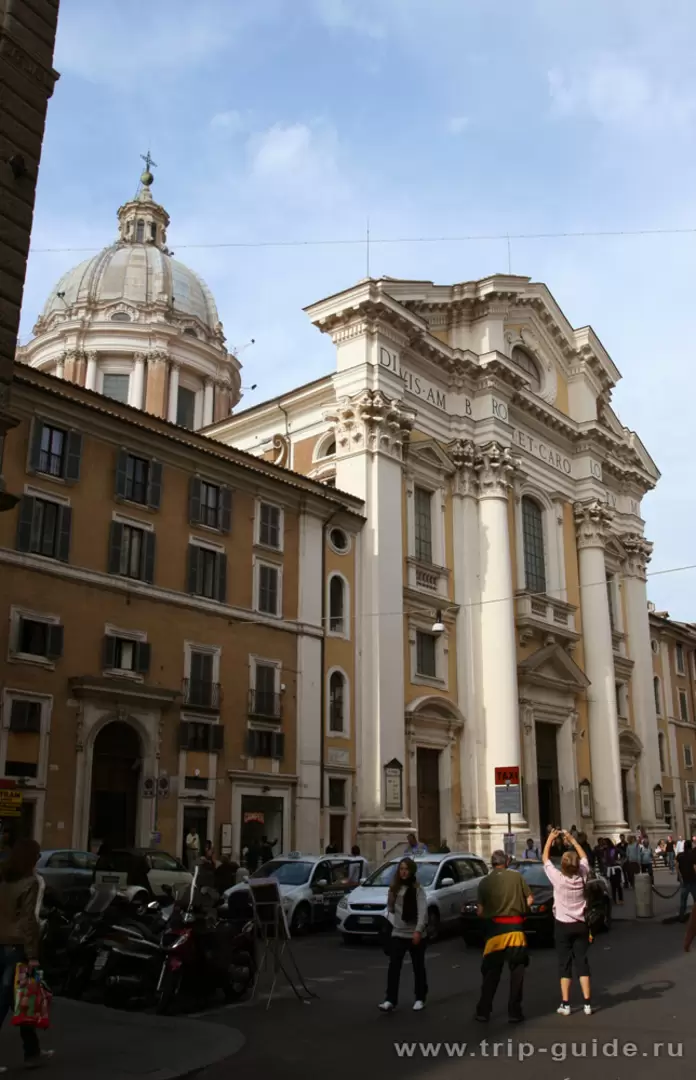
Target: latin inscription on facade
column 542, row 450
column 416, row 384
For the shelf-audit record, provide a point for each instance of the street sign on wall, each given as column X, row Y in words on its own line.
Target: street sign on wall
column 508, row 793
column 509, row 774
column 10, row 803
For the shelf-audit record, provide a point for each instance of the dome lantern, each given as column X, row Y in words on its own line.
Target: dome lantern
column 143, row 221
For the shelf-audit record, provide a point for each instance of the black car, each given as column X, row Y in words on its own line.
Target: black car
column 539, row 922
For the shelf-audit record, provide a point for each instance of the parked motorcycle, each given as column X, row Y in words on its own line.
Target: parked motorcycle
column 56, row 925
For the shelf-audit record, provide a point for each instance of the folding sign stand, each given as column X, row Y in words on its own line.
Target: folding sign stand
column 274, row 935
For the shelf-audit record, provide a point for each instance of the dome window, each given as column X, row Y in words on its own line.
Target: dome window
column 153, row 231
column 522, row 360
column 190, row 333
column 140, row 231
column 120, row 316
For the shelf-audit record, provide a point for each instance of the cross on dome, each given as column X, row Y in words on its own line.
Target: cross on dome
column 142, row 220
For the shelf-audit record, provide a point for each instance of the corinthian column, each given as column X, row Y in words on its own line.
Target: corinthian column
column 593, row 521
column 91, row 377
column 644, row 714
column 496, row 468
column 208, row 402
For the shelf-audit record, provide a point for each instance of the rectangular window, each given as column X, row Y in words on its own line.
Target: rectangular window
column 269, row 526
column 266, row 701
column 265, row 744
column 683, row 706
column 201, row 736
column 131, row 551
column 25, row 716
column 201, row 690
column 44, row 528
column 680, row 659
column 207, row 574
column 137, row 472
column 52, row 450
column 690, row 793
column 126, row 654
column 426, row 654
column 55, row 451
column 619, row 699
column 269, row 579
column 337, row 793
column 186, row 408
column 422, row 502
column 688, row 757
column 210, row 505
column 138, row 480
column 36, row 637
column 27, row 769
column 116, row 387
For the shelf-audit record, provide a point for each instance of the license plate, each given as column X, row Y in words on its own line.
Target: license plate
column 100, row 962
column 365, row 922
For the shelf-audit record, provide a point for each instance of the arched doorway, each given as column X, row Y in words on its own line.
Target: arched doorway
column 116, row 767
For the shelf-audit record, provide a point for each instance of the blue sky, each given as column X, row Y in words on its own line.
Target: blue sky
column 278, row 120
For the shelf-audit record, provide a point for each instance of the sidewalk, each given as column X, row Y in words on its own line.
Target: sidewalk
column 666, row 883
column 90, row 1041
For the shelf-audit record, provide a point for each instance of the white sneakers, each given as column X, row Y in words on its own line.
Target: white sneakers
column 418, row 1006
column 563, row 1010
column 386, row 1007
column 587, row 1009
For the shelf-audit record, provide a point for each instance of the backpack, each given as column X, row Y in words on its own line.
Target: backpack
column 594, row 906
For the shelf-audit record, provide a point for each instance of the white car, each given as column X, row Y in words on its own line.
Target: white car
column 310, row 886
column 449, row 881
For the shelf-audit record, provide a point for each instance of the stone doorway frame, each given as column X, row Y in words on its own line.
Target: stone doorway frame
column 433, row 722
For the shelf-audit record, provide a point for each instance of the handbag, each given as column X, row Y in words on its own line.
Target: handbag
column 32, row 998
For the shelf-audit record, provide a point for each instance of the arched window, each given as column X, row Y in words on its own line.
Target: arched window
column 337, row 605
column 337, row 703
column 153, row 231
column 140, row 232
column 658, row 702
column 533, row 540
column 661, row 748
column 523, row 360
column 326, row 447
column 120, row 316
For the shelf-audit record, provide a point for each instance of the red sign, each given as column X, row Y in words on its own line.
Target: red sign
column 510, row 775
column 254, row 815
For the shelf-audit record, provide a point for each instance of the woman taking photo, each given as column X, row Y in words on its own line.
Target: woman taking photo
column 571, row 933
column 408, row 914
column 19, row 935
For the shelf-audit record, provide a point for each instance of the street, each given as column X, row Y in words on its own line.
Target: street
column 643, row 991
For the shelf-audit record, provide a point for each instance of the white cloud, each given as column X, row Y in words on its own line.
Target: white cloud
column 457, row 124
column 355, row 15
column 231, row 121
column 616, row 93
column 300, row 162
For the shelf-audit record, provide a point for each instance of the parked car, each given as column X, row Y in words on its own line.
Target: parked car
column 68, row 875
column 448, row 880
column 311, row 886
column 539, row 922
column 148, row 868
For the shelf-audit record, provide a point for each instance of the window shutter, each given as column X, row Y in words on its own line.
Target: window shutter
column 122, row 473
column 73, row 456
column 184, row 734
column 225, row 515
column 221, row 577
column 19, row 715
column 115, row 542
column 64, row 525
column 54, row 647
column 252, row 743
column 217, row 737
column 196, row 668
column 148, row 570
column 195, row 500
column 35, row 445
column 278, row 745
column 109, row 652
column 194, row 559
column 24, row 523
column 142, row 657
column 154, row 486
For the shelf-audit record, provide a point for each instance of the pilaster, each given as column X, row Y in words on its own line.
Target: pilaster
column 156, row 383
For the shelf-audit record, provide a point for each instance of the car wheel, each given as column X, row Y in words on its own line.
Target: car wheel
column 301, row 918
column 433, row 924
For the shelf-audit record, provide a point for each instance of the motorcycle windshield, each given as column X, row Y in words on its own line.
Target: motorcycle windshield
column 102, row 896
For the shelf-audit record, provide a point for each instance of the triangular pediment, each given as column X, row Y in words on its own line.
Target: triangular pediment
column 430, row 453
column 552, row 666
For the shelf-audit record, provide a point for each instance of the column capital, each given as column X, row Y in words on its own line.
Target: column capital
column 496, row 468
column 91, row 355
column 371, row 421
column 140, row 357
column 158, row 356
column 639, row 553
column 592, row 523
column 463, row 455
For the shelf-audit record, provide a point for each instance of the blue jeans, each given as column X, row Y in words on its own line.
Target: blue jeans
column 670, row 861
column 10, row 956
column 688, row 889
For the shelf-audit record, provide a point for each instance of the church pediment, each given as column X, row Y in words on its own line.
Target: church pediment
column 552, row 666
column 432, row 455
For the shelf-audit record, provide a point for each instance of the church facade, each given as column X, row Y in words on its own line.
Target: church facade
column 500, row 616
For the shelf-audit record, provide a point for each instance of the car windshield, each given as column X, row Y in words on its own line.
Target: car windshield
column 533, row 873
column 285, row 873
column 382, row 878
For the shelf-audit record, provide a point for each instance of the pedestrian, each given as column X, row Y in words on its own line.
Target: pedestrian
column 632, row 859
column 679, row 847
column 413, row 848
column 209, row 853
column 331, row 849
column 355, row 851
column 225, row 874
column 253, row 856
column 193, row 848
column 571, row 933
column 531, row 851
column 444, row 848
column 614, row 872
column 645, row 858
column 669, row 853
column 503, row 899
column 19, row 935
column 574, row 831
column 267, row 849
column 598, row 856
column 582, row 840
column 408, row 914
column 621, row 849
column 686, row 864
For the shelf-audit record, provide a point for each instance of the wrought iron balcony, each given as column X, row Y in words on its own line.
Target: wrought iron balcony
column 200, row 694
column 265, row 705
